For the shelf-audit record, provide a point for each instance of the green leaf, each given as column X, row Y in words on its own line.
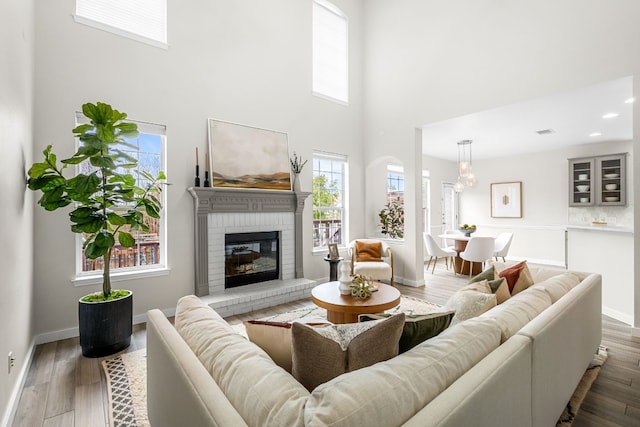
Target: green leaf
column 38, row 169
column 84, row 184
column 105, row 239
column 105, row 133
column 102, row 162
column 93, row 251
column 116, row 219
column 126, row 239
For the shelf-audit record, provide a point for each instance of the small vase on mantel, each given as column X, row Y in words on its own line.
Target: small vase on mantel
column 345, row 279
column 296, row 183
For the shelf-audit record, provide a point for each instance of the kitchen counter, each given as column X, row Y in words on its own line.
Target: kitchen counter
column 601, row 228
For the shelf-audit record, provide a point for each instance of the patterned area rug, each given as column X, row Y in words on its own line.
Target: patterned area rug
column 127, row 389
column 569, row 414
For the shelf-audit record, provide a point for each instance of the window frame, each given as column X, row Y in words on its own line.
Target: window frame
column 160, row 42
column 321, row 155
column 317, row 63
column 86, row 278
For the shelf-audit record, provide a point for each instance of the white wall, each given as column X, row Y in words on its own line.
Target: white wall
column 16, row 214
column 428, row 61
column 242, row 61
column 539, row 234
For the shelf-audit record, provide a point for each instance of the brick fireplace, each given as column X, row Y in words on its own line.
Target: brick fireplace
column 219, row 212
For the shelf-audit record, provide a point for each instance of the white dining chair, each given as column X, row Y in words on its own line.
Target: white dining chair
column 479, row 249
column 503, row 243
column 435, row 251
column 450, row 243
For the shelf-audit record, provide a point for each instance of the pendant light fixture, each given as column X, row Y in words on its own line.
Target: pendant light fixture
column 466, row 177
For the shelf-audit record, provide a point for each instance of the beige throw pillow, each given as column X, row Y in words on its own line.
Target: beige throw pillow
column 274, row 338
column 321, row 354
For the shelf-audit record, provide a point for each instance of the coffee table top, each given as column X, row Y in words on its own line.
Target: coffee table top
column 327, row 295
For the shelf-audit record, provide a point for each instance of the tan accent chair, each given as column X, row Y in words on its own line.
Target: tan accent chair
column 376, row 270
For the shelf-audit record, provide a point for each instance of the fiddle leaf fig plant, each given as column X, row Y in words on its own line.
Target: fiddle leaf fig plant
column 392, row 219
column 107, row 181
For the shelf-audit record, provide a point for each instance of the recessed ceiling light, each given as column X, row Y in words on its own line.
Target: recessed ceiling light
column 595, row 134
column 630, row 101
column 610, row 115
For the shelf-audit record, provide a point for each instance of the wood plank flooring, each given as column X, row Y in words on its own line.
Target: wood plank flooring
column 64, row 389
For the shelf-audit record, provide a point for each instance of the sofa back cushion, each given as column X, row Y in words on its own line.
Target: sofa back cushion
column 519, row 310
column 559, row 285
column 263, row 393
column 396, row 389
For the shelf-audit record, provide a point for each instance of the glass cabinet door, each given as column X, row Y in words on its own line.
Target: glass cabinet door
column 581, row 182
column 611, row 188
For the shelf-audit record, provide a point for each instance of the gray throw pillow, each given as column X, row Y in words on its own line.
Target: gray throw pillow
column 417, row 327
column 322, row 353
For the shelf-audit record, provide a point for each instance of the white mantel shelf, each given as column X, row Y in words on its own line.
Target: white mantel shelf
column 229, row 200
column 601, row 229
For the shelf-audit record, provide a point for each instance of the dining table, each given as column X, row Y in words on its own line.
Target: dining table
column 460, row 244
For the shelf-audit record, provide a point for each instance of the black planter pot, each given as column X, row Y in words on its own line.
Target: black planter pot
column 105, row 327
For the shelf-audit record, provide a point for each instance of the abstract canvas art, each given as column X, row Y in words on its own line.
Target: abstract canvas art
column 248, row 157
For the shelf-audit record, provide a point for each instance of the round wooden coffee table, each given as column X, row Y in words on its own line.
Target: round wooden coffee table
column 345, row 308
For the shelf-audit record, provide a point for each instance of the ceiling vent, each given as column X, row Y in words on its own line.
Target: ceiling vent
column 545, row 131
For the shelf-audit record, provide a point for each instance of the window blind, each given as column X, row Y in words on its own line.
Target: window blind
column 330, row 55
column 146, row 19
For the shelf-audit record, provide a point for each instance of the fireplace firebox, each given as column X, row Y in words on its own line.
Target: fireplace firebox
column 251, row 258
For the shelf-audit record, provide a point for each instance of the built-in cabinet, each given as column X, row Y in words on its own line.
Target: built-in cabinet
column 598, row 181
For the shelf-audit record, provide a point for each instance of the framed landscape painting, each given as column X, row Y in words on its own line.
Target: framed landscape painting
column 248, row 157
column 506, row 199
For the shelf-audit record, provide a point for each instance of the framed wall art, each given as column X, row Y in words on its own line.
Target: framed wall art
column 248, row 157
column 506, row 199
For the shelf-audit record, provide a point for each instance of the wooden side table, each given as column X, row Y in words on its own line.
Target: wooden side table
column 345, row 308
column 333, row 267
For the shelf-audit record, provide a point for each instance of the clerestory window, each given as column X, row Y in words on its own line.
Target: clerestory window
column 330, row 52
column 142, row 20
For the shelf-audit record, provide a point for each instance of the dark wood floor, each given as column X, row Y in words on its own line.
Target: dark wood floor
column 63, row 388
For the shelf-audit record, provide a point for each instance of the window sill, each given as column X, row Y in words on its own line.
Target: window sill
column 121, row 276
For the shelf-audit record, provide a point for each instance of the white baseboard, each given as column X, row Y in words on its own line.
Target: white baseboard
column 412, row 283
column 14, row 397
column 618, row 315
column 635, row 332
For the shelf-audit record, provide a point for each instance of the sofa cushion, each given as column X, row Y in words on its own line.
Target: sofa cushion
column 274, row 338
column 468, row 304
column 519, row 310
column 368, row 251
column 518, row 277
column 417, row 327
column 322, row 353
column 261, row 392
column 397, row 388
column 558, row 285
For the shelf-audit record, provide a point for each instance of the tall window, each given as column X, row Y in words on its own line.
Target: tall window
column 330, row 53
column 395, row 183
column 329, row 210
column 142, row 20
column 149, row 251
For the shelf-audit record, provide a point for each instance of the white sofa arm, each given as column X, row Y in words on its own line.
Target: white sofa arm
column 180, row 391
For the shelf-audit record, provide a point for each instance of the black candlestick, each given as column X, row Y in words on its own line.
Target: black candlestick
column 206, row 179
column 197, row 183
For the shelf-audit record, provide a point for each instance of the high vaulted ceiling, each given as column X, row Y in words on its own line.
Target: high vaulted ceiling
column 573, row 117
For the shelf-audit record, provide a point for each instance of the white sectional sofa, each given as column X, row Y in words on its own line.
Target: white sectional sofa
column 515, row 365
